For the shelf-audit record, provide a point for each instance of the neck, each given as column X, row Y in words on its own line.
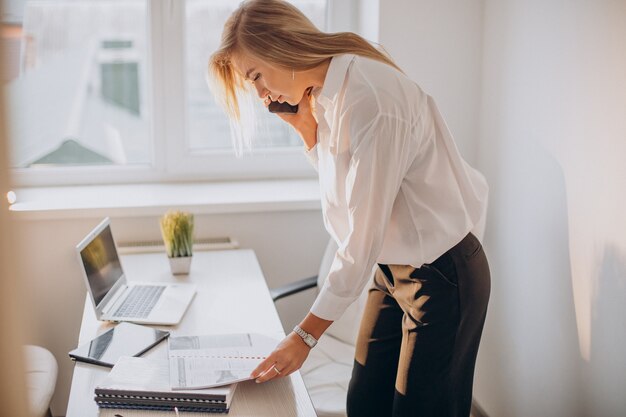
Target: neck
column 317, row 75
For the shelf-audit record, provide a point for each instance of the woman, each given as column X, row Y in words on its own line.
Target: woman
column 396, row 197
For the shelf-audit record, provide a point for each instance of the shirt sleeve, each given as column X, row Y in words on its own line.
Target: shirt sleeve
column 311, row 155
column 381, row 154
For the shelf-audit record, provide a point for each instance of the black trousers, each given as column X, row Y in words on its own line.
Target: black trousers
column 419, row 337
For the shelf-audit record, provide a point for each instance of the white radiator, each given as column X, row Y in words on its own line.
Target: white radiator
column 150, row 246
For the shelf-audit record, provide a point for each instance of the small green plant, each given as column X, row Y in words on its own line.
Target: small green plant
column 177, row 232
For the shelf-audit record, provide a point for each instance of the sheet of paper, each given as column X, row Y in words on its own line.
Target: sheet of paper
column 138, row 373
column 214, row 360
column 141, row 374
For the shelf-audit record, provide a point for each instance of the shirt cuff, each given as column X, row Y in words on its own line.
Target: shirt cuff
column 311, row 155
column 330, row 306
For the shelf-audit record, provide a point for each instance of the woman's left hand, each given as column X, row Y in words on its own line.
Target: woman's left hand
column 288, row 357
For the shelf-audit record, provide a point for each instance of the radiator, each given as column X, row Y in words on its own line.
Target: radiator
column 151, row 246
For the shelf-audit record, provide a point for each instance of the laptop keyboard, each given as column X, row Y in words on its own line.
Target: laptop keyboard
column 140, row 301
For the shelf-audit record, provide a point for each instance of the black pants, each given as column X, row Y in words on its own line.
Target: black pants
column 419, row 337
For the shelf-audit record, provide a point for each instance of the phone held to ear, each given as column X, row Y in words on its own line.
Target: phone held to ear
column 276, row 107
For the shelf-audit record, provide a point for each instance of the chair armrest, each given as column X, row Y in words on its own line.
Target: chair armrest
column 293, row 288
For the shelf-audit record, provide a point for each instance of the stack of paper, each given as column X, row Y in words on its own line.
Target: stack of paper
column 200, row 376
column 139, row 383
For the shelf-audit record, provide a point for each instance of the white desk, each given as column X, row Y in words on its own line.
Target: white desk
column 232, row 297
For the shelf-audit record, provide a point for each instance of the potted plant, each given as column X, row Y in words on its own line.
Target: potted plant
column 177, row 232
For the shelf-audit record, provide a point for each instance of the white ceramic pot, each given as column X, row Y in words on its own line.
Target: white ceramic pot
column 180, row 265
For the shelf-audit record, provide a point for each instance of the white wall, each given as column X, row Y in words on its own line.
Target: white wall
column 438, row 44
column 552, row 143
column 535, row 94
column 289, row 246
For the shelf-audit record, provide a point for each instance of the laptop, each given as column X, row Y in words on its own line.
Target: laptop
column 116, row 299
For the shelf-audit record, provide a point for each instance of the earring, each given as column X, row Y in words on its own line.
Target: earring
column 293, row 74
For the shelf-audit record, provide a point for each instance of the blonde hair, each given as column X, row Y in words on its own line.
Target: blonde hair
column 278, row 33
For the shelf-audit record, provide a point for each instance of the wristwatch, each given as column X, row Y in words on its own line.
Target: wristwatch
column 308, row 339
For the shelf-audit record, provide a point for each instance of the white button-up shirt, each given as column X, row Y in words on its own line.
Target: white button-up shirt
column 394, row 187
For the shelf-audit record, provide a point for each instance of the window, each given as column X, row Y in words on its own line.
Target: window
column 76, row 84
column 207, row 127
column 115, row 91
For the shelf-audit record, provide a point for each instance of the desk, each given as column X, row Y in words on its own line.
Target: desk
column 232, row 297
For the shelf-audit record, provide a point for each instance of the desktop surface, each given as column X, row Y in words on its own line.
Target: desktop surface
column 232, row 297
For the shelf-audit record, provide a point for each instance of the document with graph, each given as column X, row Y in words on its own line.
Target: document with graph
column 206, row 361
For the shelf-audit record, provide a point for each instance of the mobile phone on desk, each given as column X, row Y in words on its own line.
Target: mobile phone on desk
column 276, row 107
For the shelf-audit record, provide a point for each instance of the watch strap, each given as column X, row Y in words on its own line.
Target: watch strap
column 306, row 337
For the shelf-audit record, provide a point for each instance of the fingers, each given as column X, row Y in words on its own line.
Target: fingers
column 270, row 370
column 304, row 120
column 287, row 117
column 287, row 358
column 262, row 367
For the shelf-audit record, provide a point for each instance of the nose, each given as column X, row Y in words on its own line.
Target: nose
column 261, row 91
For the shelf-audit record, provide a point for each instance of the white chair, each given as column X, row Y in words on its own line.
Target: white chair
column 328, row 369
column 41, row 376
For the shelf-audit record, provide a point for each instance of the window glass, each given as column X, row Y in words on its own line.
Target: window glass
column 207, row 125
column 76, row 81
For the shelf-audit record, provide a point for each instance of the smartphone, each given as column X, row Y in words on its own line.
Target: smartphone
column 125, row 339
column 276, row 107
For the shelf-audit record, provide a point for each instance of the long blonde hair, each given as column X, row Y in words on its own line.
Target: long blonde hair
column 278, row 33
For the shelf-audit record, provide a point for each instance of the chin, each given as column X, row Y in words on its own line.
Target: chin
column 287, row 100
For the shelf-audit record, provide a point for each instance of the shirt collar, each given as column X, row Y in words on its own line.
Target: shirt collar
column 335, row 77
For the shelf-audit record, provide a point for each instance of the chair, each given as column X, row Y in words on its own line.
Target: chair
column 328, row 369
column 41, row 376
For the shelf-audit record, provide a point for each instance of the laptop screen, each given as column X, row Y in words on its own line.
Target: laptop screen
column 102, row 265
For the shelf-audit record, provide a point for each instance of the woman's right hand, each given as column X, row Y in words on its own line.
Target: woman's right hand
column 304, row 122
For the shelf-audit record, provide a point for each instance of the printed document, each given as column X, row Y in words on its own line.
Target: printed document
column 213, row 360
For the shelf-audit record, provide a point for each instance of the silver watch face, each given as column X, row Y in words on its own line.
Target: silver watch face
column 310, row 340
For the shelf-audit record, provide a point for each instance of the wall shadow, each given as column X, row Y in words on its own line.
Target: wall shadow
column 529, row 363
column 606, row 371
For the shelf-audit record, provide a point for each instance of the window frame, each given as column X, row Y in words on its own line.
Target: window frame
column 171, row 161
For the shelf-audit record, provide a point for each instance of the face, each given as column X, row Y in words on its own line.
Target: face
column 275, row 83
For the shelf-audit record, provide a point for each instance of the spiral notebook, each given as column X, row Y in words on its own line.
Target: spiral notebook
column 140, row 383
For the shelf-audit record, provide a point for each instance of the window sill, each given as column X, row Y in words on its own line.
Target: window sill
column 134, row 200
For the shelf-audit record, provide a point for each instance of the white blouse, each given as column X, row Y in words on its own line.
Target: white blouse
column 394, row 187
